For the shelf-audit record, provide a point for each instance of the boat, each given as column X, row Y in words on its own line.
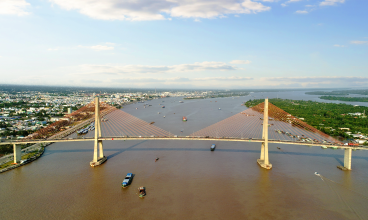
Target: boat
column 181, row 102
column 163, row 106
column 128, row 180
column 213, row 146
column 219, row 108
column 184, row 118
column 164, row 116
column 152, row 123
column 142, row 191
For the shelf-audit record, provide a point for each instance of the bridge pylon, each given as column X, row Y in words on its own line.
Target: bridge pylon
column 347, row 159
column 17, row 153
column 263, row 161
column 98, row 156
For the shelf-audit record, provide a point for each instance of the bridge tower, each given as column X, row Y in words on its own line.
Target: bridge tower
column 263, row 160
column 98, row 157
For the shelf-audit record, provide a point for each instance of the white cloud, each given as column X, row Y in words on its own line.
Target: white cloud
column 97, row 47
column 14, row 7
column 144, row 69
column 107, row 46
column 301, row 12
column 155, row 10
column 290, row 1
column 240, row 62
column 338, row 45
column 331, row 2
column 56, row 48
column 183, row 79
column 319, row 80
column 358, row 42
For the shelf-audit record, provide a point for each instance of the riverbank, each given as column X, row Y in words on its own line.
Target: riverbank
column 27, row 158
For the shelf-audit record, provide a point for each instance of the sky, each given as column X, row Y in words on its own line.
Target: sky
column 207, row 44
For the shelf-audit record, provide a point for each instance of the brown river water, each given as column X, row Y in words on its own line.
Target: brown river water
column 189, row 181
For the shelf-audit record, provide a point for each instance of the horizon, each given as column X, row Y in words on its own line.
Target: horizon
column 55, row 87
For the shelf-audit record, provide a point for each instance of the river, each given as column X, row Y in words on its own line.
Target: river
column 189, row 181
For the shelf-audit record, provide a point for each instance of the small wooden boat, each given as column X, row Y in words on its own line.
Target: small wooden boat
column 142, row 191
column 213, row 146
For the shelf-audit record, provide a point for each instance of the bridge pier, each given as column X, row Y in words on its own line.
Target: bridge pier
column 347, row 159
column 263, row 160
column 17, row 149
column 98, row 156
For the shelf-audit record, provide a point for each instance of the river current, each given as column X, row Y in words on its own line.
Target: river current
column 188, row 181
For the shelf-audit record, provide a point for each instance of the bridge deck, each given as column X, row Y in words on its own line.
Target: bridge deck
column 184, row 138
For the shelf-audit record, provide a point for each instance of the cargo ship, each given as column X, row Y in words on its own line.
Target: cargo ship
column 184, row 118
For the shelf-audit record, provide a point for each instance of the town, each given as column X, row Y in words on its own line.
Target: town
column 24, row 112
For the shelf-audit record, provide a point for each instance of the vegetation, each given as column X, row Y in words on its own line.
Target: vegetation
column 347, row 99
column 24, row 157
column 221, row 95
column 8, row 148
column 327, row 117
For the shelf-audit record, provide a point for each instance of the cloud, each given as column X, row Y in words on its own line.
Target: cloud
column 231, row 78
column 290, row 1
column 301, row 12
column 182, row 79
column 56, row 48
column 14, row 7
column 139, row 10
column 358, row 42
column 331, row 2
column 319, row 80
column 240, row 62
column 338, row 45
column 107, row 46
column 143, row 69
column 97, row 47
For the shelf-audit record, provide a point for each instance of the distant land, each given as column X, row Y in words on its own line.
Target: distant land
column 69, row 89
column 339, row 92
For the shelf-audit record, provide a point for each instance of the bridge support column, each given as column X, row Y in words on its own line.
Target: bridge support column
column 98, row 157
column 263, row 161
column 17, row 153
column 347, row 160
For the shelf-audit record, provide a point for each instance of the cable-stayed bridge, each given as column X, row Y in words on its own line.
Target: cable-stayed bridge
column 264, row 123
